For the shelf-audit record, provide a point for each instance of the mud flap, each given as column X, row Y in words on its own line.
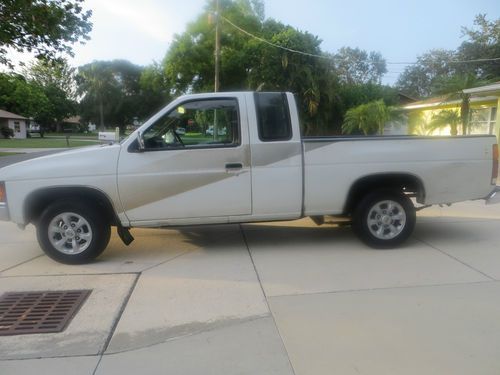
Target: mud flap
column 125, row 235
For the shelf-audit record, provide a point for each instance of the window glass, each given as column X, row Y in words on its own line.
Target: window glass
column 481, row 121
column 195, row 124
column 273, row 117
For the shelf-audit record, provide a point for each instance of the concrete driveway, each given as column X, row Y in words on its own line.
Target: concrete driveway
column 281, row 298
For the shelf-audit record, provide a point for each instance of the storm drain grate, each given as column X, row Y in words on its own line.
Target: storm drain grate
column 39, row 312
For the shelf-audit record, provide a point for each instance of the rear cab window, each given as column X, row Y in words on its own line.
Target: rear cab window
column 273, row 117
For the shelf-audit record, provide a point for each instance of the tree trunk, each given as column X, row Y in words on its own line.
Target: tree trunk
column 464, row 113
column 101, row 115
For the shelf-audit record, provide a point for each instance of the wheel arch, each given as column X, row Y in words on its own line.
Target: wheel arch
column 39, row 199
column 404, row 182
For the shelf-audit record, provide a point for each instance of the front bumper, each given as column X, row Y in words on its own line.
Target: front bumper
column 4, row 212
column 494, row 196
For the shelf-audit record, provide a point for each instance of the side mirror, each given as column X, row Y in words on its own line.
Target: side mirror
column 140, row 142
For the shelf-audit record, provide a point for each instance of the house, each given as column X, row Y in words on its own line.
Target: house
column 16, row 122
column 484, row 113
column 71, row 124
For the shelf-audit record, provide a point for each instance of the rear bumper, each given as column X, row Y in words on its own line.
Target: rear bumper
column 4, row 212
column 494, row 196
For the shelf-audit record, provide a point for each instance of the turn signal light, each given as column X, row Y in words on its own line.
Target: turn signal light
column 494, row 172
column 3, row 194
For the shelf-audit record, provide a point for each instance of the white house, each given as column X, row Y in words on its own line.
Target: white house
column 16, row 122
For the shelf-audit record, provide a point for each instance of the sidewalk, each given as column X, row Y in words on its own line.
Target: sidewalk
column 282, row 298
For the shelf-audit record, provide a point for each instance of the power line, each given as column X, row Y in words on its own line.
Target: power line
column 273, row 44
column 334, row 57
column 477, row 60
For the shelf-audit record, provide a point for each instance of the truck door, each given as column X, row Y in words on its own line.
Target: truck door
column 195, row 164
column 276, row 150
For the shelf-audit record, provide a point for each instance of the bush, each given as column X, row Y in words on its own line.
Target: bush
column 6, row 132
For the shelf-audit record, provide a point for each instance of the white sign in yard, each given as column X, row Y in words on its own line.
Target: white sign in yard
column 109, row 136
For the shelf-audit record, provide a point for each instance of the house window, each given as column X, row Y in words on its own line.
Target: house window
column 482, row 120
column 17, row 127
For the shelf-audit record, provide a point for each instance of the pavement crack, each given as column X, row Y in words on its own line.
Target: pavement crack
column 455, row 258
column 383, row 288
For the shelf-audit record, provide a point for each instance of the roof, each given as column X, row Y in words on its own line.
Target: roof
column 485, row 90
column 482, row 95
column 443, row 101
column 10, row 115
column 72, row 120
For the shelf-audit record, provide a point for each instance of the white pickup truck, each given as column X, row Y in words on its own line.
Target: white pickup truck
column 252, row 165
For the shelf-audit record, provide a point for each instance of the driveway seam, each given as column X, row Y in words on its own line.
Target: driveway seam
column 119, row 315
column 115, row 322
column 20, row 264
column 166, row 261
column 265, row 297
column 455, row 258
column 384, row 288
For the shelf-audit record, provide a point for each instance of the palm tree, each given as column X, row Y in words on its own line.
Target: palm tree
column 95, row 81
column 370, row 118
column 446, row 118
column 454, row 87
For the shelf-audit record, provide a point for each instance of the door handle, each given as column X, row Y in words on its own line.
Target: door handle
column 233, row 166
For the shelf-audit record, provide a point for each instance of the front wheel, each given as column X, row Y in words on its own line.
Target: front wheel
column 72, row 233
column 384, row 219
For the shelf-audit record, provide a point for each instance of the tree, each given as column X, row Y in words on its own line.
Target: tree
column 95, row 83
column 57, row 80
column 189, row 64
column 369, row 118
column 111, row 92
column 453, row 88
column 264, row 54
column 483, row 42
column 355, row 66
column 419, row 79
column 45, row 27
column 154, row 90
column 53, row 73
column 444, row 119
column 22, row 97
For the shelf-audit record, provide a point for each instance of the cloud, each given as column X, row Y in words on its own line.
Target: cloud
column 147, row 17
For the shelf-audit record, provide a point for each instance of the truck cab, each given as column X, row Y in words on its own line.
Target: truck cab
column 235, row 172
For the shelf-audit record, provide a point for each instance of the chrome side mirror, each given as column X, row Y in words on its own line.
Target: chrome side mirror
column 140, row 141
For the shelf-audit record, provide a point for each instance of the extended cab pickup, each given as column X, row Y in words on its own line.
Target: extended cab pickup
column 239, row 157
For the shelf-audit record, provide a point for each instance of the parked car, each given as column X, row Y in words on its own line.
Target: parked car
column 220, row 131
column 180, row 131
column 34, row 129
column 265, row 171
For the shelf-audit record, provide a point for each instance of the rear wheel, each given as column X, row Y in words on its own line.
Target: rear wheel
column 72, row 232
column 384, row 219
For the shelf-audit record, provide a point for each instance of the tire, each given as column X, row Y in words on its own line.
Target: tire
column 384, row 219
column 72, row 232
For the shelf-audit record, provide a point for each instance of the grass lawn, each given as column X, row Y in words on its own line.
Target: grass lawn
column 43, row 143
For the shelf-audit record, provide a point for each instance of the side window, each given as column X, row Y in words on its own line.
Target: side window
column 196, row 124
column 273, row 117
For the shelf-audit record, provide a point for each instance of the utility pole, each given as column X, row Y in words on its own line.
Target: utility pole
column 217, row 46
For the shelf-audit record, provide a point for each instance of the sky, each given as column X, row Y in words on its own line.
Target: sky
column 141, row 31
